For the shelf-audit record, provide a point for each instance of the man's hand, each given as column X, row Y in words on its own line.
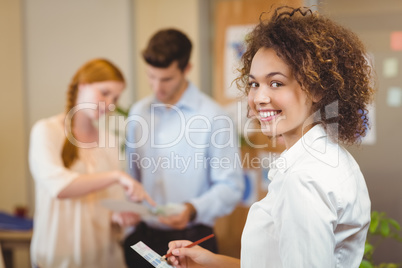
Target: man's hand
column 180, row 221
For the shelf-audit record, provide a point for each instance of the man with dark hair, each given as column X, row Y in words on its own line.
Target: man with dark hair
column 159, row 54
column 183, row 149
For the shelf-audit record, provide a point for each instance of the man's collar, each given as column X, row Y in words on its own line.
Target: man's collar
column 189, row 99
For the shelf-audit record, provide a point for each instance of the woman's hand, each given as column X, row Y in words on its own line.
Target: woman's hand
column 134, row 189
column 195, row 257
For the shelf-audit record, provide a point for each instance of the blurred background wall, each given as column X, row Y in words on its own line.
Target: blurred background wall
column 14, row 174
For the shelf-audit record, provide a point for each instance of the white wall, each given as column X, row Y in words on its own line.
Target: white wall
column 153, row 15
column 60, row 36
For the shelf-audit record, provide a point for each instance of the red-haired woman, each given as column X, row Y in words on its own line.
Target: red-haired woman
column 73, row 172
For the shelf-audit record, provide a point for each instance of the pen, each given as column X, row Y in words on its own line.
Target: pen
column 190, row 245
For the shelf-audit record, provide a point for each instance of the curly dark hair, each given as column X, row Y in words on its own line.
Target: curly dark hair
column 329, row 62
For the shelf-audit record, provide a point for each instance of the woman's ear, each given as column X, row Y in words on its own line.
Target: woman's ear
column 316, row 97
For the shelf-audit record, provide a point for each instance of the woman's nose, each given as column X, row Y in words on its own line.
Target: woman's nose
column 109, row 102
column 261, row 96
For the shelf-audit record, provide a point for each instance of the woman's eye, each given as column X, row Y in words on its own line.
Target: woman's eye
column 276, row 84
column 253, row 84
column 104, row 93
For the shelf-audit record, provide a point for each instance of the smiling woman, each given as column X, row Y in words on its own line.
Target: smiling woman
column 331, row 78
column 276, row 97
column 308, row 80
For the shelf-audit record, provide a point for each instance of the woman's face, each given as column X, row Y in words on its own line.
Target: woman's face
column 102, row 94
column 276, row 98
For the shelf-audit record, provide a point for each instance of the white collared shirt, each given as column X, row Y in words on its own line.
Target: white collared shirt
column 316, row 212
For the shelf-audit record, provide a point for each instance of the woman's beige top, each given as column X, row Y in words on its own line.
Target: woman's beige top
column 71, row 232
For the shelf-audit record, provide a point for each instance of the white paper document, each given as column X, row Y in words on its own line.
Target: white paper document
column 151, row 256
column 126, row 206
column 144, row 211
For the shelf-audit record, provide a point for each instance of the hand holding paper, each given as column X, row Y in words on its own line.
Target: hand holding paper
column 141, row 210
column 126, row 219
column 178, row 221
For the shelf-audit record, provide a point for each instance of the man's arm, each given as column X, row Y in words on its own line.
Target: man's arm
column 225, row 174
column 131, row 146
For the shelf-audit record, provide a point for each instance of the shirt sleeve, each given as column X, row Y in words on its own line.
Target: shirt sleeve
column 305, row 217
column 132, row 157
column 226, row 176
column 45, row 160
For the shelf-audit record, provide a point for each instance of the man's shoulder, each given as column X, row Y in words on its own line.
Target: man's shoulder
column 209, row 106
column 141, row 105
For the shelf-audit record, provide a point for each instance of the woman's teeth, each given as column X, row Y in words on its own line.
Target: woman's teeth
column 268, row 114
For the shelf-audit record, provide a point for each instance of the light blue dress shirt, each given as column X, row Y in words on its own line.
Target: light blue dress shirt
column 186, row 153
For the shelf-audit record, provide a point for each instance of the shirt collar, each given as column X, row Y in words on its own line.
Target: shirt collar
column 188, row 100
column 289, row 157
